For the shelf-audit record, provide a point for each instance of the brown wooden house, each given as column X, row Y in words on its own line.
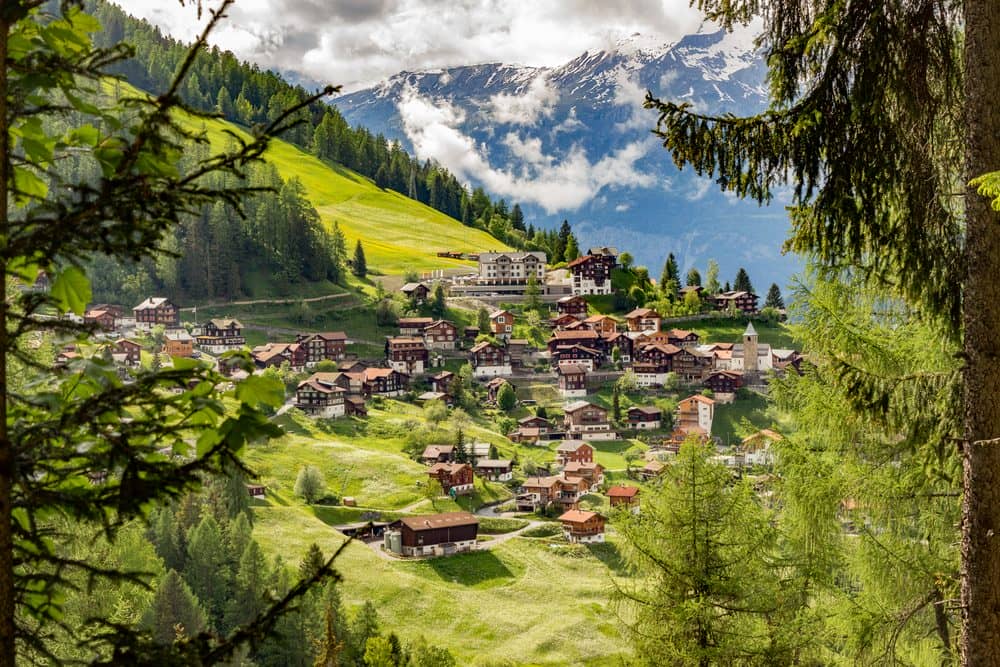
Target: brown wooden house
column 574, row 306
column 572, row 380
column 643, row 319
column 441, row 335
column 100, row 318
column 724, row 382
column 324, row 346
column 623, row 496
column 130, row 350
column 587, row 421
column 221, row 335
column 435, row 534
column 644, row 417
column 455, row 478
column 582, row 526
column 682, row 338
column 413, row 326
column 320, row 396
column 742, row 301
column 438, row 454
column 576, row 451
column 156, row 310
column 416, row 292
column 502, row 323
column 407, row 355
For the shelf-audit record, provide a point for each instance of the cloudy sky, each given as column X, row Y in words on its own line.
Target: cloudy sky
column 356, row 43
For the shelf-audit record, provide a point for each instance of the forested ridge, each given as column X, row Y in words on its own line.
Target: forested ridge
column 245, row 94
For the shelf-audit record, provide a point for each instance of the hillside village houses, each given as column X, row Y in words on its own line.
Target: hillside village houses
column 591, row 273
column 502, row 324
column 489, row 360
column 416, row 292
column 155, row 311
column 432, row 534
column 221, row 335
column 572, row 380
column 580, row 526
column 455, row 478
column 320, row 396
column 407, row 355
column 178, row 343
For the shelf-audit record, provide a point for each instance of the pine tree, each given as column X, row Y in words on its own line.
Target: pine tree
column 249, row 593
column 572, row 249
column 175, row 611
column 310, row 484
column 461, row 452
column 670, row 278
column 517, row 218
column 363, row 628
column 559, row 248
column 742, row 282
column 359, row 267
column 693, row 278
column 206, row 570
column 774, row 299
column 311, row 562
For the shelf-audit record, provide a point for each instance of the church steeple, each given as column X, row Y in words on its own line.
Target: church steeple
column 750, row 362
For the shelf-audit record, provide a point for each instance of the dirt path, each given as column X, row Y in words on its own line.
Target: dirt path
column 257, row 302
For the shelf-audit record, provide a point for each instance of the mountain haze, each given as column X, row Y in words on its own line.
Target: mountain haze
column 574, row 142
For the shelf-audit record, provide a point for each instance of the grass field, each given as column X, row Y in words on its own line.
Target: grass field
column 522, row 601
column 398, row 233
column 727, row 330
column 726, row 424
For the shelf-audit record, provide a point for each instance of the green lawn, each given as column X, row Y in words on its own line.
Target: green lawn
column 726, row 330
column 726, row 423
column 521, row 601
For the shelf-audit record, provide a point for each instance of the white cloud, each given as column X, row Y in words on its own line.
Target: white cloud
column 526, row 109
column 359, row 42
column 628, row 93
column 700, row 189
column 554, row 184
column 621, row 208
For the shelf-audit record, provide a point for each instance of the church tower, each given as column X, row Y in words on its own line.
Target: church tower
column 750, row 367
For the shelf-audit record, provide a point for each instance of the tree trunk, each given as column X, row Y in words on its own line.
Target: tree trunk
column 7, row 631
column 980, row 643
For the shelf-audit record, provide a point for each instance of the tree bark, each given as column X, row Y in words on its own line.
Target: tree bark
column 7, row 589
column 980, row 642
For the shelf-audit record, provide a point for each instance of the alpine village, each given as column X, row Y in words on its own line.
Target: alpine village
column 284, row 390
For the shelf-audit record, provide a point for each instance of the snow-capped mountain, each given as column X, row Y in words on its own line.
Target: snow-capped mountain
column 574, row 142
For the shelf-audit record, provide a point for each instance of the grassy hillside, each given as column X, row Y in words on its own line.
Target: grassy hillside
column 398, row 233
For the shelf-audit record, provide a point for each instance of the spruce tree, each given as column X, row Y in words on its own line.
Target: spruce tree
column 517, row 218
column 438, row 303
column 742, row 282
column 175, row 611
column 670, row 276
column 206, row 570
column 483, row 320
column 359, row 267
column 774, row 299
column 250, row 586
column 693, row 278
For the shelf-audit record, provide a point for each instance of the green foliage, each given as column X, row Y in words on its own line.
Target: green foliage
column 310, row 484
column 206, row 570
column 175, row 611
column 670, row 278
column 712, row 278
column 742, row 282
column 483, row 320
column 435, row 412
column 359, row 266
column 506, row 397
column 774, row 299
column 438, row 302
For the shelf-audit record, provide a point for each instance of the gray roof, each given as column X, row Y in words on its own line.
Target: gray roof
column 515, row 256
column 750, row 330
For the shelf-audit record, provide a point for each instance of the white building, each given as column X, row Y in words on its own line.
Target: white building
column 511, row 267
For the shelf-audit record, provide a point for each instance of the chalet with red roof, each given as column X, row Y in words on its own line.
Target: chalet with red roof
column 694, row 416
column 275, row 354
column 438, row 454
column 682, row 338
column 604, row 325
column 623, row 496
column 100, row 318
column 643, row 319
column 582, row 527
column 592, row 472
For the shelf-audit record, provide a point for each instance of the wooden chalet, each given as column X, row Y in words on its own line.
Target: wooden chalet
column 441, row 335
column 563, row 322
column 100, row 318
column 470, row 334
column 130, row 350
column 354, row 406
column 578, row 355
column 692, row 364
column 643, row 319
column 575, row 306
column 178, row 343
column 495, row 470
column 682, row 338
column 413, row 326
column 444, row 382
column 502, row 323
column 651, row 374
column 604, row 325
column 416, row 292
column 407, row 354
column 652, row 470
column 659, row 354
column 582, row 527
column 587, row 421
column 592, row 472
column 624, row 344
column 490, row 360
column 221, row 335
column 742, row 301
column 438, row 454
column 537, row 492
column 532, row 429
column 384, row 382
column 623, row 496
column 455, row 478
column 591, row 273
column 572, row 380
column 434, row 534
column 493, row 388
column 275, row 354
column 156, row 310
column 324, row 346
column 644, row 417
column 585, row 337
column 697, row 289
column 724, row 382
column 320, row 396
column 574, row 451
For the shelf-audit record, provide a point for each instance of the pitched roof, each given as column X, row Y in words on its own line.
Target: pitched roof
column 414, row 321
column 646, row 409
column 433, row 451
column 221, row 323
column 750, row 330
column 450, row 468
column 482, row 345
column 579, row 405
column 575, row 335
column 410, row 287
column 623, row 491
column 578, row 516
column 570, row 445
column 493, row 463
column 642, row 312
column 680, row 333
column 434, row 521
column 572, row 369
column 546, row 482
column 699, row 398
column 153, row 302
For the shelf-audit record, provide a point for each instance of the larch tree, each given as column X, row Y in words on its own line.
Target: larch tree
column 873, row 107
column 59, row 429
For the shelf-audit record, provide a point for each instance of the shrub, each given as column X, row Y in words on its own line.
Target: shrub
column 310, row 484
